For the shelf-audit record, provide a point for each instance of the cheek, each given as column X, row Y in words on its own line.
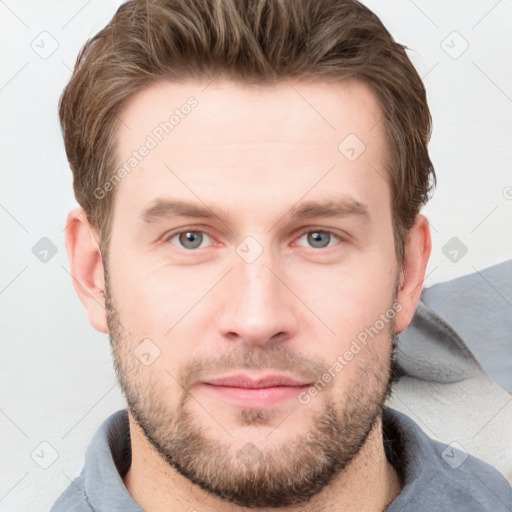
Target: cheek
column 348, row 299
column 152, row 297
column 358, row 307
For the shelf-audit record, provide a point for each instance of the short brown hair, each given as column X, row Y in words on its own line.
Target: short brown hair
column 249, row 41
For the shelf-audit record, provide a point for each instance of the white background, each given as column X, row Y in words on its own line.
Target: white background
column 56, row 382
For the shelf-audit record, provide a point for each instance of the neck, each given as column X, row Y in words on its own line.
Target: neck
column 369, row 483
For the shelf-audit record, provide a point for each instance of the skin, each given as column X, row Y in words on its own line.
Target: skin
column 252, row 155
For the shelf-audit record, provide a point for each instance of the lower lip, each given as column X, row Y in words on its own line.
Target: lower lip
column 255, row 397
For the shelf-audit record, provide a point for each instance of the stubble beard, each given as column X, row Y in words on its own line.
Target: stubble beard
column 253, row 476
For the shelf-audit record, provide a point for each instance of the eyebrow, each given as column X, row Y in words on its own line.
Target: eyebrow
column 168, row 208
column 341, row 207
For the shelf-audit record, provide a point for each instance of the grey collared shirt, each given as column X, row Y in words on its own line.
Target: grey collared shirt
column 435, row 476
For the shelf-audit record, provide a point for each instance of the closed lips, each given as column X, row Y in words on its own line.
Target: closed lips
column 244, row 381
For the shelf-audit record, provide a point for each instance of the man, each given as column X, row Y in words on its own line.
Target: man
column 250, row 176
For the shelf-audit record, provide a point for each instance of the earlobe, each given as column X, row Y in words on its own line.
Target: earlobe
column 86, row 267
column 417, row 252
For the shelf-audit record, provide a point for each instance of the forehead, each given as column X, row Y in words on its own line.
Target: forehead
column 249, row 146
column 308, row 110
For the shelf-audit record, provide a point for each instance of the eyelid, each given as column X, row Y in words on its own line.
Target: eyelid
column 315, row 230
column 166, row 238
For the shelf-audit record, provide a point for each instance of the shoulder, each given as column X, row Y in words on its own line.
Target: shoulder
column 437, row 476
column 73, row 499
column 99, row 486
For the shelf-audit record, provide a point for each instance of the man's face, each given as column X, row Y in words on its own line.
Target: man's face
column 289, row 257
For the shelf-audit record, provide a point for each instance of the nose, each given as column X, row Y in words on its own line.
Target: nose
column 258, row 308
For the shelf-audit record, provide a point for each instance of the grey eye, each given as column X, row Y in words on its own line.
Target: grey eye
column 319, row 239
column 190, row 239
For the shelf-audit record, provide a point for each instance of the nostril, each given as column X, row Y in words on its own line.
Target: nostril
column 278, row 337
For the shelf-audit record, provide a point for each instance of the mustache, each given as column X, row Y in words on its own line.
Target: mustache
column 275, row 357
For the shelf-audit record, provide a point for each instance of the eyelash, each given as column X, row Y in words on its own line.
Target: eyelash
column 170, row 236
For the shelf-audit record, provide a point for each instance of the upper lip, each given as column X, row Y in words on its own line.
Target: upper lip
column 245, row 381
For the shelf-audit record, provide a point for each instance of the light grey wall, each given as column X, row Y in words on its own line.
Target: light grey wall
column 56, row 381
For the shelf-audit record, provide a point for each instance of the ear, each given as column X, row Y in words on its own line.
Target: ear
column 86, row 267
column 417, row 252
